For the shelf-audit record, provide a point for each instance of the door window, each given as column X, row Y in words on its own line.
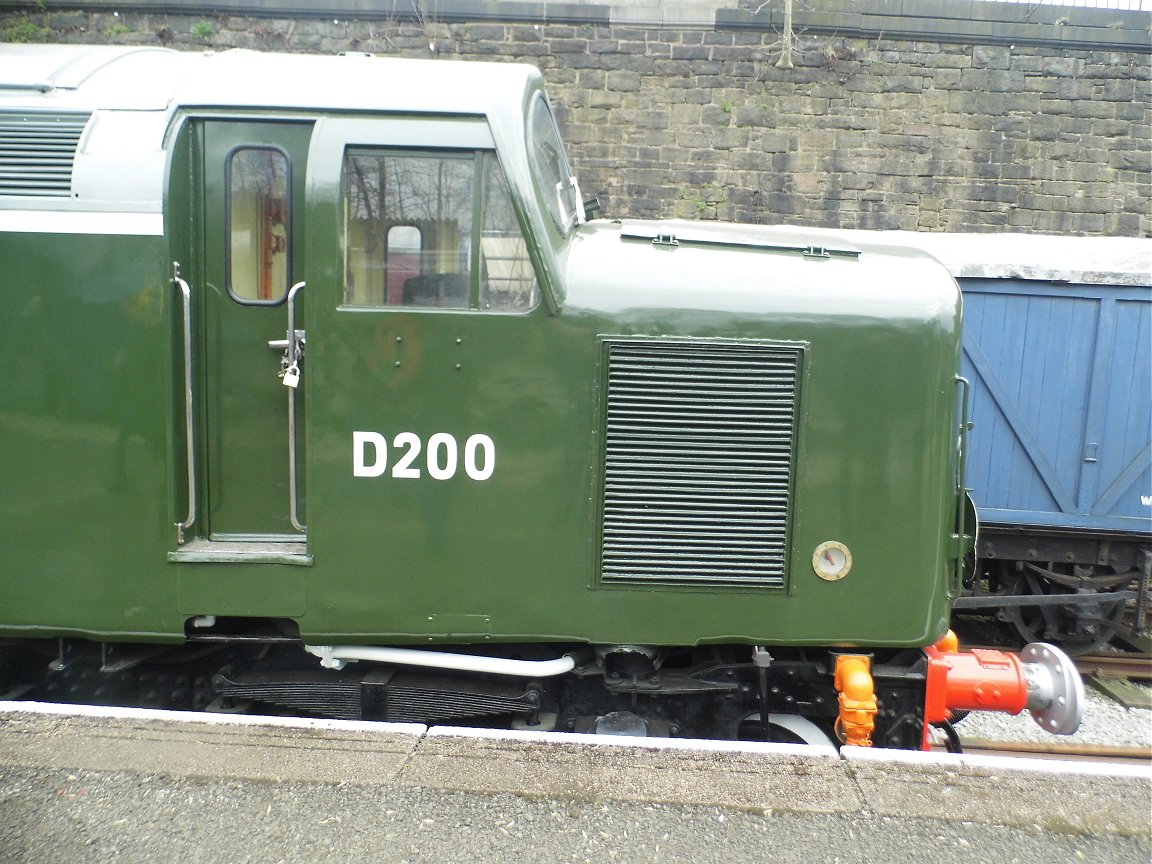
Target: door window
column 257, row 213
column 434, row 230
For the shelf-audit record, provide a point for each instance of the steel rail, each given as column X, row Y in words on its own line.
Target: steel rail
column 1132, row 666
column 1135, row 754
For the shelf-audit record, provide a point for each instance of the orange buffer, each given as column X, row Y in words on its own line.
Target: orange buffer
column 1041, row 678
column 857, row 699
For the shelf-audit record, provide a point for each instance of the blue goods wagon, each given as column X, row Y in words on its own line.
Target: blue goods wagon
column 1058, row 348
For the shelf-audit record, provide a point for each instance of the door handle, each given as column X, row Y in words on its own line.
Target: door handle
column 189, row 425
column 282, row 344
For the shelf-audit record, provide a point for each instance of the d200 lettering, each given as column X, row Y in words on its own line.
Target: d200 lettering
column 373, row 456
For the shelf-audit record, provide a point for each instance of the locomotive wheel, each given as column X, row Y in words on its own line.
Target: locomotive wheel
column 785, row 728
column 1060, row 624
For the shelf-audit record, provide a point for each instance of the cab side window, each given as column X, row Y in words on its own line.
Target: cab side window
column 508, row 281
column 434, row 230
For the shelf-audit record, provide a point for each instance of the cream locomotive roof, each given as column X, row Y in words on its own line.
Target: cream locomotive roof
column 107, row 77
column 133, row 93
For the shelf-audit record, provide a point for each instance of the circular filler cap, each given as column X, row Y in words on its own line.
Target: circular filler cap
column 831, row 560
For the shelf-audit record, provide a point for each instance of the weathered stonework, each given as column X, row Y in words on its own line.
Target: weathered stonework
column 701, row 123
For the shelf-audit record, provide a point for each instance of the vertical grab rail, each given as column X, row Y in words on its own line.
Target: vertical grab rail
column 964, row 388
column 189, row 431
column 295, row 353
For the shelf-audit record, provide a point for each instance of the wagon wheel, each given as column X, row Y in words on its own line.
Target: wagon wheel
column 1078, row 629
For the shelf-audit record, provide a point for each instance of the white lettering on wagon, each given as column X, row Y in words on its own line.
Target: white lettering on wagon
column 370, row 456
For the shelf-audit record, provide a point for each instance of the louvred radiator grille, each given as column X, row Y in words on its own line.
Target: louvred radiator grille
column 699, row 445
column 37, row 151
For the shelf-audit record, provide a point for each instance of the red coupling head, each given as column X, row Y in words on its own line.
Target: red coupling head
column 1041, row 678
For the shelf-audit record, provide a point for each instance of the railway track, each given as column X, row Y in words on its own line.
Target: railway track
column 1134, row 667
column 1115, row 754
column 1116, row 675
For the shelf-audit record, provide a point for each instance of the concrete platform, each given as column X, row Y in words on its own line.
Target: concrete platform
column 145, row 774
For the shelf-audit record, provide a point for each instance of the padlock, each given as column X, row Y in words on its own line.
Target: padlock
column 292, row 376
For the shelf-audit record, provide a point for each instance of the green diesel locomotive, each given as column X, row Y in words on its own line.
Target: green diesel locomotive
column 317, row 376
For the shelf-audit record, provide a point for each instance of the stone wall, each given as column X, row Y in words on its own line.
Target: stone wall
column 973, row 129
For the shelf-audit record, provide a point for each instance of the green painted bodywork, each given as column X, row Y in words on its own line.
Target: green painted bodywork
column 92, row 475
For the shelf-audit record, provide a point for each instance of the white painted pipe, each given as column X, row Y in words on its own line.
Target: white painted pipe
column 338, row 656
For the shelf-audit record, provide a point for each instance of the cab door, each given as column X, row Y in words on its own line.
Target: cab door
column 246, row 286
